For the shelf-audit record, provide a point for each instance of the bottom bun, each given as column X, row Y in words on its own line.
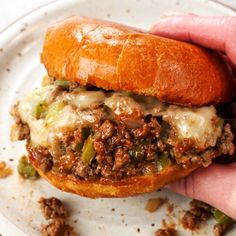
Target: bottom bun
column 107, row 188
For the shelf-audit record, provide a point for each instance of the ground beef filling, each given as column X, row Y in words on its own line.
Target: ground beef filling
column 121, row 151
column 120, row 136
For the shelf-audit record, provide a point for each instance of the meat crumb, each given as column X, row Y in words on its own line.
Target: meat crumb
column 220, row 229
column 166, row 232
column 170, row 207
column 57, row 227
column 199, row 212
column 5, row 171
column 52, row 208
column 56, row 214
column 154, row 204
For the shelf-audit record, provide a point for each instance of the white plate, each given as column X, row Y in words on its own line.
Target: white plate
column 20, row 71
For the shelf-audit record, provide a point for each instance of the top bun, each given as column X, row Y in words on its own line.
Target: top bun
column 116, row 57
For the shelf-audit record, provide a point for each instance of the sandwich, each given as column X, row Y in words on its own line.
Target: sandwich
column 122, row 112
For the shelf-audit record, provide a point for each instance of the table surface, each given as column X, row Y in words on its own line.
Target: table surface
column 13, row 10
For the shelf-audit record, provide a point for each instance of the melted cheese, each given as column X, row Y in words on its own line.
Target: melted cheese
column 44, row 131
column 120, row 103
column 194, row 123
column 38, row 132
column 86, row 99
column 29, row 102
column 191, row 123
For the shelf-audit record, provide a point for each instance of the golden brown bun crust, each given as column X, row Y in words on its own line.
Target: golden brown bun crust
column 108, row 188
column 117, row 57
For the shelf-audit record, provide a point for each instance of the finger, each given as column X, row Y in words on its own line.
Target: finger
column 214, row 185
column 217, row 33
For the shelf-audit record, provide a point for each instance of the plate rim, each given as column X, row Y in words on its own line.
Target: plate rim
column 17, row 23
column 14, row 22
column 54, row 2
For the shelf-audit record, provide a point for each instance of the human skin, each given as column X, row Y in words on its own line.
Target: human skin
column 215, row 185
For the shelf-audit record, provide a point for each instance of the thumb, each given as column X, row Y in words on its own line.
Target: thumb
column 215, row 32
column 214, row 185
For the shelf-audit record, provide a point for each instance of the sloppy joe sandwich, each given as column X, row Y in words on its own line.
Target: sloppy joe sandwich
column 123, row 112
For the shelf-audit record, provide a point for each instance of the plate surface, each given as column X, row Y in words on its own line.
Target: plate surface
column 20, row 71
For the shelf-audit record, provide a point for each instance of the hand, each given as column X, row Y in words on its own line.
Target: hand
column 216, row 184
column 218, row 33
